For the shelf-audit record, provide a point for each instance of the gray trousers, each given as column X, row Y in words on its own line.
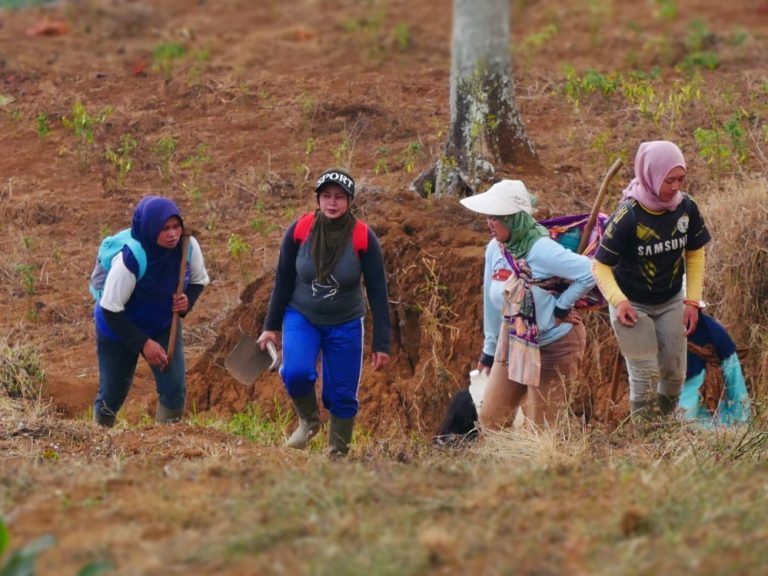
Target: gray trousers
column 654, row 349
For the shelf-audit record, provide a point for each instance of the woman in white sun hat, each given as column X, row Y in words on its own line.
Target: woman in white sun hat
column 534, row 339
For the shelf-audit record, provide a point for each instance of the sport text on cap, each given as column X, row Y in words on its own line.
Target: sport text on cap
column 337, row 177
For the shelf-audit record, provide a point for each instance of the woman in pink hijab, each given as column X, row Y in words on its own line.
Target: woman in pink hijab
column 654, row 239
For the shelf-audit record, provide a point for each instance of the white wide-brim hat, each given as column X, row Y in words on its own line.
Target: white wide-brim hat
column 502, row 199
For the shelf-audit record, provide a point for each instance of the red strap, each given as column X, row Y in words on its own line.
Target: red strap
column 303, row 226
column 360, row 238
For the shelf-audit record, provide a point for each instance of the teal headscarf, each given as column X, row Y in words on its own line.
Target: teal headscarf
column 524, row 231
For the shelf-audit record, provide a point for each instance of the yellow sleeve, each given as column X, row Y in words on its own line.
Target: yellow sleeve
column 607, row 283
column 694, row 274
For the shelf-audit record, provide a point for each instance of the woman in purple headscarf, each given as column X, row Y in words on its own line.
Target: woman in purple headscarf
column 654, row 238
column 135, row 311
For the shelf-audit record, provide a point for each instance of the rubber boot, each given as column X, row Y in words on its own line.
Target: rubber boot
column 339, row 436
column 309, row 421
column 106, row 420
column 667, row 404
column 641, row 414
column 165, row 415
column 639, row 411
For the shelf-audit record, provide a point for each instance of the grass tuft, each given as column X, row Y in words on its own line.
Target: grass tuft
column 21, row 371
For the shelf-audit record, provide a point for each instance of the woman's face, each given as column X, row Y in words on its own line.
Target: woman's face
column 672, row 184
column 498, row 230
column 333, row 201
column 170, row 234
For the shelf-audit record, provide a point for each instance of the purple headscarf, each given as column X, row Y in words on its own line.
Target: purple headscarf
column 653, row 162
column 149, row 217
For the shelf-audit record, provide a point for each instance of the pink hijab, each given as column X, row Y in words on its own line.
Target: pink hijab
column 653, row 162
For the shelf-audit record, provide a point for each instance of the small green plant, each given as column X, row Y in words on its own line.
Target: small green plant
column 712, row 149
column 105, row 230
column 402, row 33
column 737, row 135
column 200, row 59
column 343, row 152
column 15, row 115
column 164, row 57
column 309, row 146
column 196, row 164
column 42, row 127
column 237, row 247
column 537, row 39
column 382, row 164
column 739, row 37
column 122, row 157
column 576, row 86
column 164, row 149
column 254, row 425
column 290, row 213
column 407, row 157
column 83, row 124
column 21, row 371
column 26, row 273
column 666, row 9
column 704, row 59
column 261, row 226
column 308, row 104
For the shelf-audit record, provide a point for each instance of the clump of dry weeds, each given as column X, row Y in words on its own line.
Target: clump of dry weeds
column 736, row 286
column 21, row 371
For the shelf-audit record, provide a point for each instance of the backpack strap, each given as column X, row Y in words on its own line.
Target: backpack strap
column 138, row 252
column 302, row 228
column 360, row 238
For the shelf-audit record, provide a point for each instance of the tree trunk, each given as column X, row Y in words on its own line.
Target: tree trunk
column 486, row 128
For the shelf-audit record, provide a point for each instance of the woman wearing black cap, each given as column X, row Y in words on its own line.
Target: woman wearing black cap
column 317, row 301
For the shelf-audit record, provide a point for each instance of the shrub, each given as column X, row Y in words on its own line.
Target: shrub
column 21, row 371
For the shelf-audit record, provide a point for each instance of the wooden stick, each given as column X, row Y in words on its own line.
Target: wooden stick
column 179, row 290
column 596, row 206
column 615, row 374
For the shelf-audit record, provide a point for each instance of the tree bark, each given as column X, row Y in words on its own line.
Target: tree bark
column 486, row 127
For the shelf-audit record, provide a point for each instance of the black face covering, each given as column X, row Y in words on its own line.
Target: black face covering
column 329, row 238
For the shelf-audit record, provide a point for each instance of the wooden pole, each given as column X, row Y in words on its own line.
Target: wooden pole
column 179, row 290
column 584, row 240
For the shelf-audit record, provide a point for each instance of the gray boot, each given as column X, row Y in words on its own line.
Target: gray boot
column 667, row 404
column 309, row 421
column 165, row 415
column 340, row 436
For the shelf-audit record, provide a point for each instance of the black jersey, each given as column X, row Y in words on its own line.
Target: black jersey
column 647, row 249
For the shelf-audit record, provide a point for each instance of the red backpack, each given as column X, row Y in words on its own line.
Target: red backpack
column 359, row 233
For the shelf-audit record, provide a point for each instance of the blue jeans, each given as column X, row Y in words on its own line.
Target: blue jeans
column 342, row 352
column 117, row 366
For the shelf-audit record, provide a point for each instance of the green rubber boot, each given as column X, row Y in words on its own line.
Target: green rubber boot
column 309, row 421
column 667, row 404
column 165, row 415
column 340, row 436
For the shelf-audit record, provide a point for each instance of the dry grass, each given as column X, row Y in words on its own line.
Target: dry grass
column 737, row 269
column 21, row 371
column 561, row 501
